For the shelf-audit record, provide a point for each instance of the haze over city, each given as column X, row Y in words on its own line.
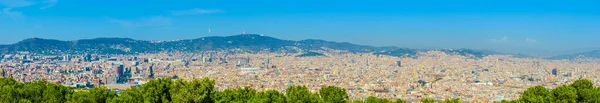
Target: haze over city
column 540, row 28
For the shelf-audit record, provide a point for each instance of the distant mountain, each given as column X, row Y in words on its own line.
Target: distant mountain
column 586, row 55
column 249, row 43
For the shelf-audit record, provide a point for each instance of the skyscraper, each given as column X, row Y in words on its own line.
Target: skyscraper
column 399, row 63
column 119, row 69
column 555, row 72
column 3, row 73
column 87, row 58
column 267, row 63
column 66, row 58
column 151, row 75
column 367, row 61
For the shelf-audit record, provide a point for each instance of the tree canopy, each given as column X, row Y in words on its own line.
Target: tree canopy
column 333, row 94
column 203, row 91
column 580, row 91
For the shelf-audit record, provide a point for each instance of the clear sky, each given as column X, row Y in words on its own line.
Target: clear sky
column 536, row 27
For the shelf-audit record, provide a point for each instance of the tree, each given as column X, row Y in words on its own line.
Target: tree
column 372, row 99
column 239, row 95
column 427, row 100
column 455, row 100
column 201, row 91
column 333, row 94
column 195, row 91
column 269, row 96
column 357, row 101
column 131, row 95
column 301, row 94
column 10, row 90
column 564, row 94
column 32, row 91
column 400, row 101
column 81, row 97
column 583, row 86
column 156, row 91
column 56, row 93
column 513, row 101
column 101, row 94
column 537, row 94
column 92, row 95
column 589, row 95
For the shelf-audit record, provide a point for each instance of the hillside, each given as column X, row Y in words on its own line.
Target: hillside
column 248, row 43
column 585, row 55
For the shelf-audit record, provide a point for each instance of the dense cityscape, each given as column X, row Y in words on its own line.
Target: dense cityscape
column 299, row 51
column 431, row 74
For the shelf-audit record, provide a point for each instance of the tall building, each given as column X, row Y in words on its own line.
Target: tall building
column 224, row 59
column 119, row 70
column 555, row 72
column 367, row 61
column 88, row 58
column 399, row 63
column 267, row 63
column 66, row 58
column 3, row 73
column 151, row 75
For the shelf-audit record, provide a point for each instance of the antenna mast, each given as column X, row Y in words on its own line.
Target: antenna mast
column 209, row 24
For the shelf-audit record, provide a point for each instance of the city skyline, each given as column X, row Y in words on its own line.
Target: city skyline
column 541, row 28
column 299, row 51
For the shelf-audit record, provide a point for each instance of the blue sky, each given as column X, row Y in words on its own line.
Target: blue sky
column 537, row 27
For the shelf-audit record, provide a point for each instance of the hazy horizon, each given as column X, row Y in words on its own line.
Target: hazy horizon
column 537, row 28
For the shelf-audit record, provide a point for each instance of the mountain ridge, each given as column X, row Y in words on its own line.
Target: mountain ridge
column 594, row 54
column 250, row 43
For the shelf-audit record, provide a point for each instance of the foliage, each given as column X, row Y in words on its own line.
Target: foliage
column 589, row 95
column 584, row 88
column 202, row 91
column 536, row 94
column 582, row 84
column 564, row 94
column 513, row 101
column 427, row 100
column 301, row 94
column 357, row 101
column 455, row 100
column 579, row 91
column 157, row 90
column 269, row 96
column 333, row 94
column 400, row 101
column 36, row 92
column 195, row 91
column 93, row 95
column 239, row 95
column 131, row 95
column 372, row 99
